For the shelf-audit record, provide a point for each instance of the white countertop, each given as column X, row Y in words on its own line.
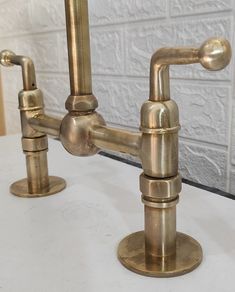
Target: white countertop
column 67, row 242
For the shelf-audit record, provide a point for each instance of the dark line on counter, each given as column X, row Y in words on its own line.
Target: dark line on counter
column 186, row 181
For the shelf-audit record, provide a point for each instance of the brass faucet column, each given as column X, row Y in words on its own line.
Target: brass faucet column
column 159, row 250
column 34, row 143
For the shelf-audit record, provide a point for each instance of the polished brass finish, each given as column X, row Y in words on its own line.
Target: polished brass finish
column 21, row 189
column 188, row 256
column 159, row 250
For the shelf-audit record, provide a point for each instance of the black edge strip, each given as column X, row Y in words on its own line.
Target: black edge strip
column 186, row 181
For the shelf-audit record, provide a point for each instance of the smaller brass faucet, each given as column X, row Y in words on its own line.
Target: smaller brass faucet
column 159, row 250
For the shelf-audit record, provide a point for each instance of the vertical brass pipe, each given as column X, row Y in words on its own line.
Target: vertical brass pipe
column 160, row 231
column 37, row 171
column 77, row 24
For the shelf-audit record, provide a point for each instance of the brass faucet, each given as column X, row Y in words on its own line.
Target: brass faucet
column 159, row 250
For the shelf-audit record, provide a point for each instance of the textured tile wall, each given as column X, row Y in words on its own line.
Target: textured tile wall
column 124, row 34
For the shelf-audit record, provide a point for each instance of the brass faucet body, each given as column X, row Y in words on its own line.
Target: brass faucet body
column 159, row 250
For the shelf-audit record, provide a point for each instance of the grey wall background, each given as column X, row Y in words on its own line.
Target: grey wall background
column 124, row 34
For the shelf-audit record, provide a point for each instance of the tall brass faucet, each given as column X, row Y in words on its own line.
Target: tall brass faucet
column 159, row 250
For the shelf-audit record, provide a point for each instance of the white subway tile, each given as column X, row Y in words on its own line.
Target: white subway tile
column 109, row 11
column 47, row 15
column 120, row 101
column 63, row 52
column 55, row 90
column 12, row 118
column 15, row 18
column 203, row 165
column 42, row 49
column 186, row 7
column 203, row 111
column 107, row 50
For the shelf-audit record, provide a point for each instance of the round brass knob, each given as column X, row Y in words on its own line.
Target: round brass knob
column 215, row 54
column 4, row 58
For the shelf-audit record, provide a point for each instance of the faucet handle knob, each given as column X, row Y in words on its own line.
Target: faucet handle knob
column 215, row 54
column 5, row 56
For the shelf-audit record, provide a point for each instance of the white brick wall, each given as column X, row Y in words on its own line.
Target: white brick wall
column 124, row 34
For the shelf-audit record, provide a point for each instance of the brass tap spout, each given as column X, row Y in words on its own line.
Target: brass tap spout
column 214, row 54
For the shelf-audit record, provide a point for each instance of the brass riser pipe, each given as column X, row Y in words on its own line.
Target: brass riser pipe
column 78, row 41
column 160, row 231
column 37, row 172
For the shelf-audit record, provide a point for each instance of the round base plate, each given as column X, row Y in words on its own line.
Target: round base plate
column 20, row 188
column 131, row 253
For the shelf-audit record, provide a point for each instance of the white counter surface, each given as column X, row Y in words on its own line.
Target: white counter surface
column 67, row 242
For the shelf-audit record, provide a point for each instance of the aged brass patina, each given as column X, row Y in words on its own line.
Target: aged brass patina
column 159, row 250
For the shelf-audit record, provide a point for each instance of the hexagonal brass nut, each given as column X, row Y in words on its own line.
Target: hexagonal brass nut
column 34, row 144
column 81, row 103
column 161, row 189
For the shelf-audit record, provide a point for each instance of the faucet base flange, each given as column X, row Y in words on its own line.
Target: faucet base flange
column 131, row 253
column 20, row 188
